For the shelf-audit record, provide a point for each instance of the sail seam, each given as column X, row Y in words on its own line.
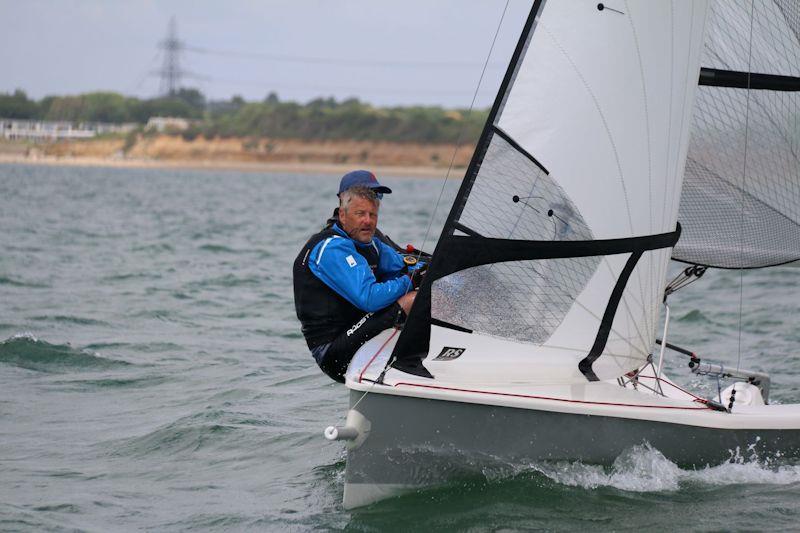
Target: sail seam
column 668, row 161
column 603, row 119
column 599, row 319
column 648, row 144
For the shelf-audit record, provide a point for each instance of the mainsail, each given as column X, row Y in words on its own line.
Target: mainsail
column 551, row 265
column 740, row 206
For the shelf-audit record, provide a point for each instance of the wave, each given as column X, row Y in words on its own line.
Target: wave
column 219, row 248
column 26, row 351
column 132, row 276
column 187, row 434
column 643, row 468
column 79, row 320
column 695, row 315
column 5, row 280
column 227, row 280
column 118, row 382
column 213, row 430
column 154, row 248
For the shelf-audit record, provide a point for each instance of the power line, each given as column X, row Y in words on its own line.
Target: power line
column 172, row 73
column 323, row 88
column 335, row 60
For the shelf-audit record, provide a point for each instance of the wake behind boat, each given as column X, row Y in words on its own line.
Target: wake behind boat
column 533, row 333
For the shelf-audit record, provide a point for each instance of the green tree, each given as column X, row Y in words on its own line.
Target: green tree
column 17, row 105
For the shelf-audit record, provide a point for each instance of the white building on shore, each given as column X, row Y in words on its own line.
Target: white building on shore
column 46, row 130
column 166, row 124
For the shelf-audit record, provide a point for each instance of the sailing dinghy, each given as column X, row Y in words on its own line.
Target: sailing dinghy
column 604, row 155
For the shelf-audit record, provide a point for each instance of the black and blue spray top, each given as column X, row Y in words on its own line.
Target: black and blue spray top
column 338, row 279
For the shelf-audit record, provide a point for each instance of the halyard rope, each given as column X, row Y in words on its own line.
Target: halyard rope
column 447, row 175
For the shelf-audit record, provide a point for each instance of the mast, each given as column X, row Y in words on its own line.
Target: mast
column 554, row 252
column 412, row 346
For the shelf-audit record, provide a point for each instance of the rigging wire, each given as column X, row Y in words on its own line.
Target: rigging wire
column 686, row 276
column 447, row 176
column 463, row 127
column 744, row 178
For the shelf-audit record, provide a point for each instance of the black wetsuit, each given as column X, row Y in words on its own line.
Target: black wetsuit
column 333, row 327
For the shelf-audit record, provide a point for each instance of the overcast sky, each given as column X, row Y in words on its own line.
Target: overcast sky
column 385, row 52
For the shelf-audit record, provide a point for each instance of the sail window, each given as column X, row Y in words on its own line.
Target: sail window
column 521, row 300
column 513, row 197
column 740, row 205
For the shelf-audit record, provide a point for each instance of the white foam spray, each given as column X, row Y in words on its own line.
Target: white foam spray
column 642, row 468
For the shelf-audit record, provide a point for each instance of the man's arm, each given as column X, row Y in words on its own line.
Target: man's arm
column 390, row 263
column 336, row 262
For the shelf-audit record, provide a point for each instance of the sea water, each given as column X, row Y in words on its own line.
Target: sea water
column 153, row 376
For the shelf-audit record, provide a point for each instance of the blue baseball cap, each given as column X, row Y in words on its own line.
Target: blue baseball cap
column 364, row 178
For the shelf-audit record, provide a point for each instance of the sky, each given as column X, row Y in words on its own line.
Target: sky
column 386, row 52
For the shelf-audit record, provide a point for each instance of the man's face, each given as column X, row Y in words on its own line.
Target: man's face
column 360, row 219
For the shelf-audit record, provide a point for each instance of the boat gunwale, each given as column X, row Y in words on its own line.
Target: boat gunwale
column 679, row 412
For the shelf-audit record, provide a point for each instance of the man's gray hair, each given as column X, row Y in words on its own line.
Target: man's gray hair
column 359, row 191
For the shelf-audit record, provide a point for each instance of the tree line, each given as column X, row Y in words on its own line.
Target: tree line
column 319, row 119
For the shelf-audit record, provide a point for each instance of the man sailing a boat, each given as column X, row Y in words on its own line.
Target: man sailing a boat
column 368, row 179
column 349, row 285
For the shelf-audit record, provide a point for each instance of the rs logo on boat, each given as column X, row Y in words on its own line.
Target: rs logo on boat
column 448, row 354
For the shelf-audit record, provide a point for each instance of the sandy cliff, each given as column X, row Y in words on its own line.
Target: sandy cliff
column 268, row 154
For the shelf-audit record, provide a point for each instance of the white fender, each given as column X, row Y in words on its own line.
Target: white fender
column 355, row 431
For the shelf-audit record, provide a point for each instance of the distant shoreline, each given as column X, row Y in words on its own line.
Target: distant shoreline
column 247, row 155
column 288, row 167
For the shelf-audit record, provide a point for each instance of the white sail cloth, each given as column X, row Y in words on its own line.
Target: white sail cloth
column 601, row 99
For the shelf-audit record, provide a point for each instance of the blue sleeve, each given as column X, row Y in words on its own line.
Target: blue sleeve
column 390, row 263
column 336, row 262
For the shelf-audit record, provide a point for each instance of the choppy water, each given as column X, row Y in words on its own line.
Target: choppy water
column 152, row 374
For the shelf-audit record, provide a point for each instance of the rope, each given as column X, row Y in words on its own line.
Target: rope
column 441, row 192
column 372, row 359
column 744, row 177
column 463, row 126
column 687, row 276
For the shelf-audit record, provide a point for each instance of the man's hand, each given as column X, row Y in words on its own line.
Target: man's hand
column 416, row 273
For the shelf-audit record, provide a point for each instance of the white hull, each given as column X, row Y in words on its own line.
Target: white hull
column 416, row 432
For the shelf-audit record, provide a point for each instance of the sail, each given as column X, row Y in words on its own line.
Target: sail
column 740, row 206
column 551, row 264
